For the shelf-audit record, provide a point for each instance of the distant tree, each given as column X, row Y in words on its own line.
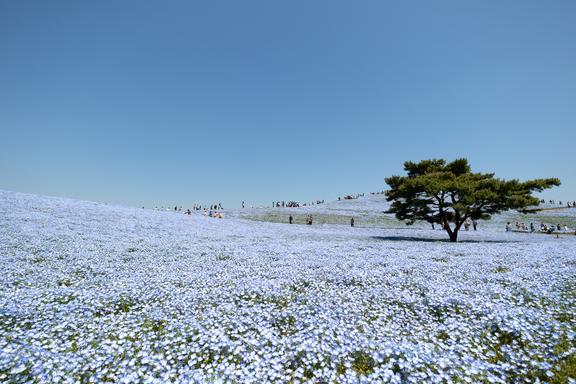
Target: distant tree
column 449, row 193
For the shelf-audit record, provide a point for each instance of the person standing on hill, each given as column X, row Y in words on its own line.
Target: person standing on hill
column 309, row 220
column 290, row 219
column 352, row 222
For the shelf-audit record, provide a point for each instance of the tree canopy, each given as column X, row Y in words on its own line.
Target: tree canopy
column 449, row 194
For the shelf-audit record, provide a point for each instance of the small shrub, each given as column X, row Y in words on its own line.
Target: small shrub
column 156, row 326
column 223, row 257
column 286, row 325
column 442, row 336
column 363, row 363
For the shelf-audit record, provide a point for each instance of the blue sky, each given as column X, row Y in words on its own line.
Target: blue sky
column 164, row 103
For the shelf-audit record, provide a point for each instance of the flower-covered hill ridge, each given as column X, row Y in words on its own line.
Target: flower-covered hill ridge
column 94, row 292
column 370, row 211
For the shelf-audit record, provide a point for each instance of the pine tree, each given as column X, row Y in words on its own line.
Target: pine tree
column 449, row 193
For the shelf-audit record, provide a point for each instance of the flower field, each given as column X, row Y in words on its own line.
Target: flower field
column 98, row 293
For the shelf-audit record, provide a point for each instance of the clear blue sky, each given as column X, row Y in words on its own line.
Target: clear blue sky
column 166, row 102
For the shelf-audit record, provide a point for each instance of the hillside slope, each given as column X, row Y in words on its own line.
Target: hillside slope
column 109, row 293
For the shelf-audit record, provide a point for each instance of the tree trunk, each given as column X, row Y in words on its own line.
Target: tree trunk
column 453, row 236
column 452, row 233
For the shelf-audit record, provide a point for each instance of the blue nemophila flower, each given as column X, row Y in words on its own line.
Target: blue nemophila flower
column 117, row 294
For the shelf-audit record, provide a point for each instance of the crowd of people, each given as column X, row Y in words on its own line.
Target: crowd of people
column 292, row 204
column 351, row 197
column 553, row 202
column 467, row 224
column 214, row 210
column 214, row 214
column 195, row 207
column 543, row 228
